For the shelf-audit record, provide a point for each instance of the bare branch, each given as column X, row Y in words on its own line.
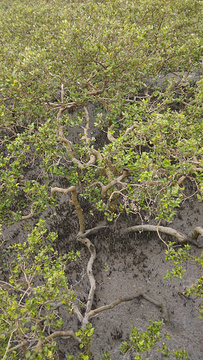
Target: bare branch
column 62, row 93
column 56, row 334
column 105, row 188
column 129, row 129
column 92, row 75
column 196, row 232
column 93, row 231
column 7, row 348
column 99, row 157
column 25, row 217
column 68, row 144
column 183, row 239
column 118, row 301
column 97, row 154
column 78, row 313
column 62, row 106
column 87, row 127
column 30, row 215
column 90, row 275
column 72, row 190
column 68, row 333
column 66, row 141
column 23, row 343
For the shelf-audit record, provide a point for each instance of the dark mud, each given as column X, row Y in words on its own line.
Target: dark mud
column 125, row 264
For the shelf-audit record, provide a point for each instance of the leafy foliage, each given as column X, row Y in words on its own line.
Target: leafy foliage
column 28, row 302
column 57, row 58
column 179, row 257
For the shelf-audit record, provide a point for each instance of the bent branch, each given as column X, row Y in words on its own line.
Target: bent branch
column 183, row 239
column 25, row 217
column 97, row 91
column 196, row 232
column 72, row 190
column 118, row 301
column 105, row 188
column 68, row 333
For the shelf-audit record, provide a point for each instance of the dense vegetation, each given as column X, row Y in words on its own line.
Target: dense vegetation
column 138, row 64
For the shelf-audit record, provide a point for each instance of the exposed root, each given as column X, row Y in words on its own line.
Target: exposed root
column 93, row 231
column 118, row 301
column 183, row 239
column 165, row 230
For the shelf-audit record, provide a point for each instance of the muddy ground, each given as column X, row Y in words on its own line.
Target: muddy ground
column 137, row 261
column 123, row 265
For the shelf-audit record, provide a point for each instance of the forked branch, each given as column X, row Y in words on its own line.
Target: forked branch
column 105, row 188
